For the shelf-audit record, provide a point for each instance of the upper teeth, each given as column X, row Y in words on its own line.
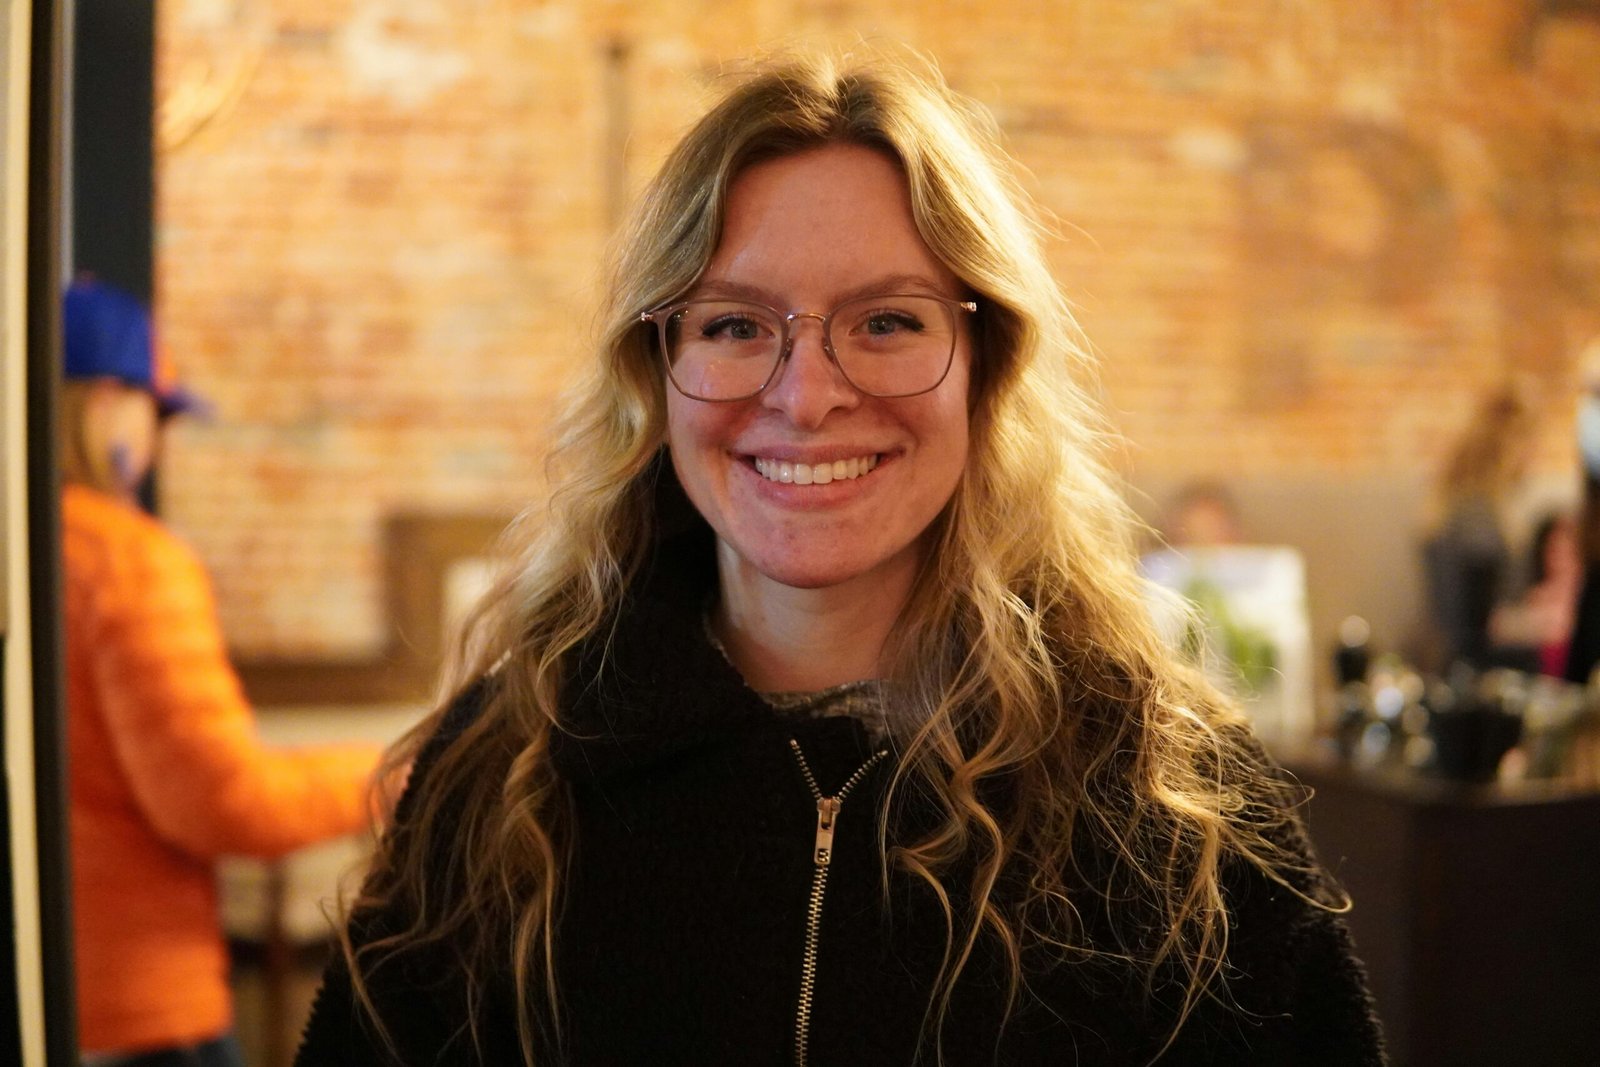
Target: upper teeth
column 778, row 470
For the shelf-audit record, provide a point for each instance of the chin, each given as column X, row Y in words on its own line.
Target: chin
column 801, row 575
column 801, row 570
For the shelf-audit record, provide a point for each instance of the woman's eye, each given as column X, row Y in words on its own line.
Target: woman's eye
column 887, row 322
column 733, row 328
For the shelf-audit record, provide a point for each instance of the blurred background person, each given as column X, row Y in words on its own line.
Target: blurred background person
column 1203, row 515
column 1534, row 631
column 1584, row 652
column 1466, row 551
column 167, row 772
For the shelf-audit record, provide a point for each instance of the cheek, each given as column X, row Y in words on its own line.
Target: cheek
column 954, row 445
column 955, row 424
column 958, row 463
column 943, row 456
column 136, row 430
column 680, row 446
column 686, row 425
column 696, row 435
column 675, row 423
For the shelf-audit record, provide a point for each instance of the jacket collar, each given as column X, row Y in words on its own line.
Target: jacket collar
column 650, row 685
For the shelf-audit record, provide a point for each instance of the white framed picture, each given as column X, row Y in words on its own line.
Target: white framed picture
column 1248, row 624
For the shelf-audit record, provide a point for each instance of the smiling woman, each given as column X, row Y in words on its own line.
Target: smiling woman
column 822, row 718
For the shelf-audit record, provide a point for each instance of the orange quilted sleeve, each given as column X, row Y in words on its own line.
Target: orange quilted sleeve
column 183, row 731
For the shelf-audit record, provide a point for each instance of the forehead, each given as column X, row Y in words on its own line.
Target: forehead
column 823, row 221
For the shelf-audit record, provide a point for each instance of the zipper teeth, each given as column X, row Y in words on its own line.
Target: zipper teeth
column 819, row 886
column 808, row 968
column 850, row 783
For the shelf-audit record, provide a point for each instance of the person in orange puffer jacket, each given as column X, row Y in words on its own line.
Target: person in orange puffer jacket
column 167, row 773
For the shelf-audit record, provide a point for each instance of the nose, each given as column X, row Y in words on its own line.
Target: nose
column 809, row 383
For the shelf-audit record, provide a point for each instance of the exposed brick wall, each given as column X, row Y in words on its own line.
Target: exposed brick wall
column 1304, row 236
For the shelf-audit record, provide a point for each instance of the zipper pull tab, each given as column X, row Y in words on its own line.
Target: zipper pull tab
column 827, row 811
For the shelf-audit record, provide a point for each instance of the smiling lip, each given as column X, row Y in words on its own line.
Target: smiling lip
column 792, row 473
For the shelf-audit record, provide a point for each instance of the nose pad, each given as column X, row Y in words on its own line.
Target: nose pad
column 822, row 340
column 796, row 387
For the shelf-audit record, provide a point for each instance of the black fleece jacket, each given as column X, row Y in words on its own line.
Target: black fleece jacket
column 684, row 934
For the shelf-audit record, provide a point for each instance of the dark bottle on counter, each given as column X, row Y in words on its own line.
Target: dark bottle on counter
column 1352, row 660
column 1482, row 723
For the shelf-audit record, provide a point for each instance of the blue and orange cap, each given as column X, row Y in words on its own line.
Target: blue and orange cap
column 108, row 335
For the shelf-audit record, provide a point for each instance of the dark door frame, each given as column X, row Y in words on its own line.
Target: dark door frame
column 90, row 111
column 48, row 80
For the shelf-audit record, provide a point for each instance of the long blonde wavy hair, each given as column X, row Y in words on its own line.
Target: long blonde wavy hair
column 1026, row 650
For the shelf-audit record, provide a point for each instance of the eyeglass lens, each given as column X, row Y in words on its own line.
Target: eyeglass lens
column 885, row 345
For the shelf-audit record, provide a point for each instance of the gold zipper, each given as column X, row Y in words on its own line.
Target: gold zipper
column 821, row 859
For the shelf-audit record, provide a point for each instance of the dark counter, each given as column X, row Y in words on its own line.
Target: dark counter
column 1477, row 912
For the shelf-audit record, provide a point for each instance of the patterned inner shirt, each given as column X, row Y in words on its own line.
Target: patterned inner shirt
column 861, row 700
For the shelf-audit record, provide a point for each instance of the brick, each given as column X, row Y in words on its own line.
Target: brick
column 1331, row 225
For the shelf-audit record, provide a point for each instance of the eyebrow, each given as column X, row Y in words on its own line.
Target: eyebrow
column 889, row 283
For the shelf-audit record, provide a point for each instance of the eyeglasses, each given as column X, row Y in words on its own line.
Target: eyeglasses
column 893, row 345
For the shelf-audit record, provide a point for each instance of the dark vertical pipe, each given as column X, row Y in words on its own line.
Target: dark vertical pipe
column 52, row 23
column 113, row 155
column 111, row 165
